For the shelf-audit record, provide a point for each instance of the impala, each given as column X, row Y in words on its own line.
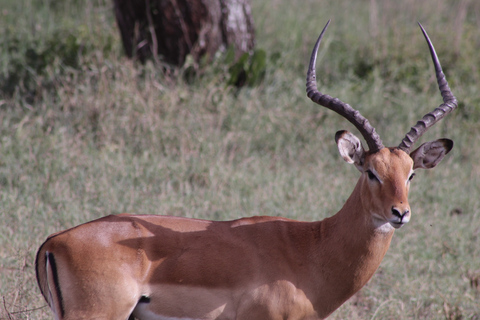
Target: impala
column 162, row 267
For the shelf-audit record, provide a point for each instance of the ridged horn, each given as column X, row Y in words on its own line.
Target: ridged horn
column 361, row 123
column 449, row 103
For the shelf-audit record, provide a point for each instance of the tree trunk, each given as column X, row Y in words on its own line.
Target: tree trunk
column 172, row 29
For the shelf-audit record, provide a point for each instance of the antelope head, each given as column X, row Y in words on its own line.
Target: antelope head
column 386, row 172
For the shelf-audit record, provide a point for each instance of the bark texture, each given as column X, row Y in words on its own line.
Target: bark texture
column 173, row 29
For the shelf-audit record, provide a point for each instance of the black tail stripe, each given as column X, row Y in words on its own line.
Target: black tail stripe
column 51, row 260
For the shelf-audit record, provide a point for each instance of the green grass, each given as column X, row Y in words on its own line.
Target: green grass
column 85, row 133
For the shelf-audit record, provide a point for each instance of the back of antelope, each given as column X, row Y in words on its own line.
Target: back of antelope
column 161, row 267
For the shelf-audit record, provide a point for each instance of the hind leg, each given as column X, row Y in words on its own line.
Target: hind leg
column 99, row 308
column 97, row 296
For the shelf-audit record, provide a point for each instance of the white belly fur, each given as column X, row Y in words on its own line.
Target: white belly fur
column 170, row 302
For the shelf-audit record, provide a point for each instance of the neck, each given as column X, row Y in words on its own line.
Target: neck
column 351, row 249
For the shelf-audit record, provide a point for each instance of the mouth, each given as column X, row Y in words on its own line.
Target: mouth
column 397, row 225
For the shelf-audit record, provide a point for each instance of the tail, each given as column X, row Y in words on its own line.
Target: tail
column 47, row 279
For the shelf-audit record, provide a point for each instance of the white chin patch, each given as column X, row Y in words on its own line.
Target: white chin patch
column 385, row 227
column 382, row 225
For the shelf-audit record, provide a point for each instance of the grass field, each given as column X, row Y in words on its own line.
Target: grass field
column 86, row 133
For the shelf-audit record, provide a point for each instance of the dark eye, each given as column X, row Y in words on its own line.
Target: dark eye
column 372, row 176
column 411, row 176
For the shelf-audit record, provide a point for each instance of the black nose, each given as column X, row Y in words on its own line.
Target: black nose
column 398, row 214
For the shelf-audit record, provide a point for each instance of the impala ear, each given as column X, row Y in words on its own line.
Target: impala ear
column 429, row 154
column 350, row 148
